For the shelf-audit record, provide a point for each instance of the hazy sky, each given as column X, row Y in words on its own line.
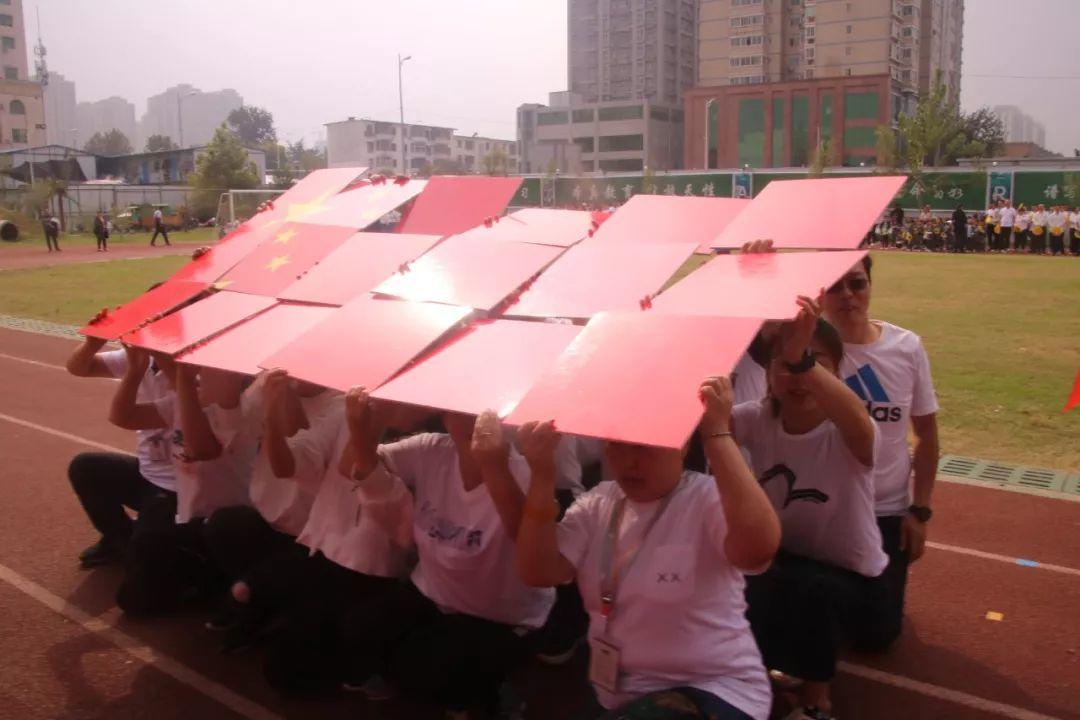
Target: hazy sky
column 474, row 61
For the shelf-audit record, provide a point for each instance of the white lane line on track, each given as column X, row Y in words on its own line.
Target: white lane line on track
column 32, row 362
column 61, row 434
column 941, row 693
column 1022, row 562
column 144, row 653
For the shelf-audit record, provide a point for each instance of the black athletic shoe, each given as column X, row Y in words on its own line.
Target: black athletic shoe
column 104, row 552
column 229, row 614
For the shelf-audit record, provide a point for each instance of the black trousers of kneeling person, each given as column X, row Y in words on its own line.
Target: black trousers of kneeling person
column 107, row 483
column 239, row 538
column 165, row 567
column 455, row 661
column 802, row 611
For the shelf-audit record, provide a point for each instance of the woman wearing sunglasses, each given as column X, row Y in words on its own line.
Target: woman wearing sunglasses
column 888, row 368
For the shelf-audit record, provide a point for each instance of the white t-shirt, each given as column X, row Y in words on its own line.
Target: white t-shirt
column 153, row 447
column 991, row 215
column 1007, row 216
column 207, row 485
column 157, row 215
column 822, row 493
column 1023, row 220
column 467, row 562
column 1038, row 219
column 353, row 523
column 892, row 376
column 1074, row 218
column 1057, row 220
column 286, row 502
column 750, row 380
column 680, row 610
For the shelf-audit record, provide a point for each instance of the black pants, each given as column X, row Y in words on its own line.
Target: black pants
column 877, row 631
column 159, row 229
column 165, row 567
column 239, row 539
column 1074, row 242
column 1022, row 239
column 107, row 483
column 455, row 661
column 1038, row 242
column 1003, row 237
column 52, row 239
column 102, row 241
column 1057, row 244
column 678, row 703
column 313, row 649
column 801, row 611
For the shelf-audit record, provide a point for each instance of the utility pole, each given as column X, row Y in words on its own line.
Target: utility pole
column 401, row 107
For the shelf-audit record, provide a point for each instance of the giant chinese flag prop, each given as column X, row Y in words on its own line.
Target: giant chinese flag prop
column 223, row 257
column 363, row 206
column 278, row 263
column 634, row 377
column 241, row 348
column 168, row 296
column 596, row 276
column 489, row 364
column 1074, row 398
column 365, row 342
column 469, row 271
column 757, row 285
column 657, row 219
column 308, row 195
column 562, row 228
column 451, row 205
column 827, row 214
column 197, row 322
column 358, row 265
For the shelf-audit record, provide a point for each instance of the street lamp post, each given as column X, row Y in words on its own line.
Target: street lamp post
column 180, row 115
column 401, row 107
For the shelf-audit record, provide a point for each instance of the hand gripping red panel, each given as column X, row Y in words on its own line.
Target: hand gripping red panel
column 669, row 219
column 451, row 205
column 488, row 365
column 166, row 297
column 757, row 285
column 827, row 214
column 197, row 322
column 633, row 377
column 365, row 342
column 241, row 348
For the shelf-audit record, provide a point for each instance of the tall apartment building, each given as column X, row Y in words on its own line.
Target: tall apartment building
column 22, row 114
column 108, row 114
column 13, row 48
column 61, row 119
column 186, row 114
column 1019, row 126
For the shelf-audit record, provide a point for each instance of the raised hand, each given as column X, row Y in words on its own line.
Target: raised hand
column 757, row 247
column 717, row 397
column 361, row 418
column 538, row 442
column 795, row 335
column 489, row 446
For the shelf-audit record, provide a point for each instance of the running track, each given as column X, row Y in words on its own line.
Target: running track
column 65, row 652
column 30, row 254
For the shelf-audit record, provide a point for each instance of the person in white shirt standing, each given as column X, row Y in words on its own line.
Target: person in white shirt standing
column 107, row 483
column 159, row 228
column 1006, row 221
column 888, row 368
column 1021, row 231
column 1074, row 242
column 1058, row 222
column 814, row 449
column 1038, row 230
column 990, row 220
column 658, row 555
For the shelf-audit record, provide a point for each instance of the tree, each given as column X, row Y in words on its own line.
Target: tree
column 448, row 166
column 306, row 159
column 111, row 143
column 648, row 181
column 886, row 148
column 496, row 162
column 935, row 134
column 159, row 143
column 820, row 161
column 223, row 165
column 253, row 125
column 983, row 126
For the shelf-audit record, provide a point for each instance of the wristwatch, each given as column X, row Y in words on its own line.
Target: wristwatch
column 804, row 365
column 921, row 513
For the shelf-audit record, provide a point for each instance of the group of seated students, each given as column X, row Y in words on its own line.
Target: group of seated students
column 383, row 548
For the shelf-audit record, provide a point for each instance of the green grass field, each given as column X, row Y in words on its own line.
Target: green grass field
column 1003, row 333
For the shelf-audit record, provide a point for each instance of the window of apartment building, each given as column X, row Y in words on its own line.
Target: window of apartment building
column 745, row 61
column 860, row 137
column 748, row 80
column 6, row 20
column 747, row 21
column 588, row 165
column 470, row 145
column 659, row 113
column 777, row 132
column 11, row 73
column 586, row 144
column 800, row 129
column 371, row 147
column 847, row 50
column 906, row 76
column 17, row 107
column 8, row 43
column 848, row 29
column 751, row 133
column 625, row 112
column 552, row 118
column 861, row 106
column 906, row 53
column 747, row 40
column 583, row 116
column 847, row 71
column 18, row 135
column 623, row 165
column 740, row 3
column 622, row 143
column 908, row 32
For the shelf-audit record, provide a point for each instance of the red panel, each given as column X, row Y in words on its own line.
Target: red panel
column 359, row 264
column 365, row 342
column 469, row 271
column 162, row 299
column 451, row 205
column 195, row 323
column 280, row 261
column 759, row 286
column 241, row 348
column 830, row 214
column 633, row 377
column 488, row 365
column 1074, row 398
column 223, row 257
column 596, row 276
column 669, row 219
column 561, row 228
column 361, row 207
column 308, row 195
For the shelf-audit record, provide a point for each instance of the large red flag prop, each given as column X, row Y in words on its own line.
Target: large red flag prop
column 1074, row 398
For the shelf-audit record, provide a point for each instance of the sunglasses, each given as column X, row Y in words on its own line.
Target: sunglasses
column 855, row 283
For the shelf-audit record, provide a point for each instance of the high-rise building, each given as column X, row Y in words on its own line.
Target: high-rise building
column 778, row 78
column 61, row 120
column 186, row 114
column 631, row 49
column 22, row 114
column 101, row 116
column 13, row 41
column 1019, row 126
column 378, row 145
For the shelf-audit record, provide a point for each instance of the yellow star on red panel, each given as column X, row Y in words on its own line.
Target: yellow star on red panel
column 300, row 210
column 277, row 262
column 283, row 238
column 222, row 284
